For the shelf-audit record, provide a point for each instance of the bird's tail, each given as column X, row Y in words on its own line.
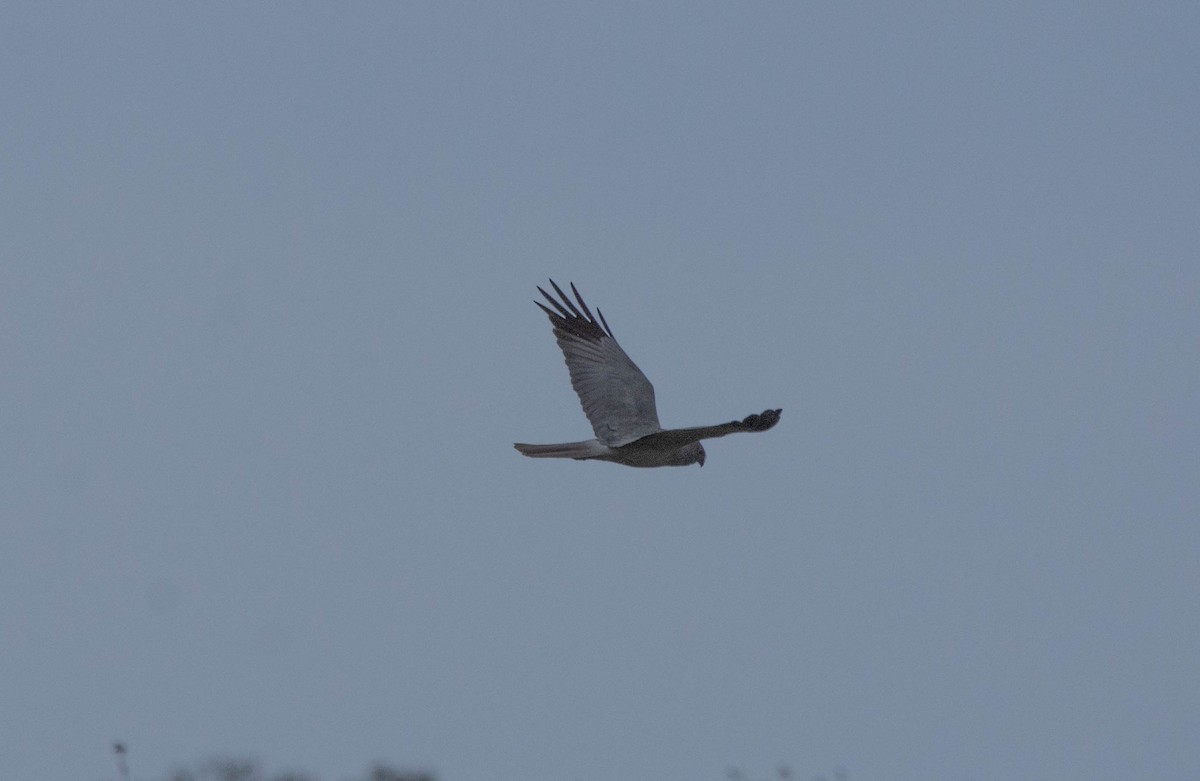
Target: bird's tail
column 591, row 448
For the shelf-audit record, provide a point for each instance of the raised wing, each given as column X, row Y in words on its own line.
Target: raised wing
column 616, row 397
column 678, row 437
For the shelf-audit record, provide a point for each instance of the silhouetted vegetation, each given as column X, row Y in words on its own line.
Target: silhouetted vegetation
column 244, row 769
column 238, row 769
column 783, row 773
column 225, row 769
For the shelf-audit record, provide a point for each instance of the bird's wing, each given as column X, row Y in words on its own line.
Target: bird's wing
column 678, row 437
column 616, row 397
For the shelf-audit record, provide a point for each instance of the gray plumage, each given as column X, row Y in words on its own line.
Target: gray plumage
column 618, row 399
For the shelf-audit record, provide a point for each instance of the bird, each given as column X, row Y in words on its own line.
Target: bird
column 618, row 399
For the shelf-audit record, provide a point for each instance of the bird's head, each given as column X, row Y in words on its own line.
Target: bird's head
column 691, row 453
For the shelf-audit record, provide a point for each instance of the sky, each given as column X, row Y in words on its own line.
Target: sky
column 267, row 338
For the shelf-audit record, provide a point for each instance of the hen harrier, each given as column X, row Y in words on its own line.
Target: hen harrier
column 619, row 400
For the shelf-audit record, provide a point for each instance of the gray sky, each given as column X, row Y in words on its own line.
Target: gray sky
column 267, row 337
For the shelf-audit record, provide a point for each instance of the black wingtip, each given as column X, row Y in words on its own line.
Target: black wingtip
column 566, row 299
column 571, row 317
column 762, row 422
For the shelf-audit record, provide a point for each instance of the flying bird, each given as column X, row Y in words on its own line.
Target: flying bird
column 618, row 399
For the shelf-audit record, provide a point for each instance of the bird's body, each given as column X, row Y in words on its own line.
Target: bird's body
column 618, row 399
column 633, row 454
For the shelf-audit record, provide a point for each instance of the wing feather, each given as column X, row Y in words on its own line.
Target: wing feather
column 614, row 393
column 678, row 437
